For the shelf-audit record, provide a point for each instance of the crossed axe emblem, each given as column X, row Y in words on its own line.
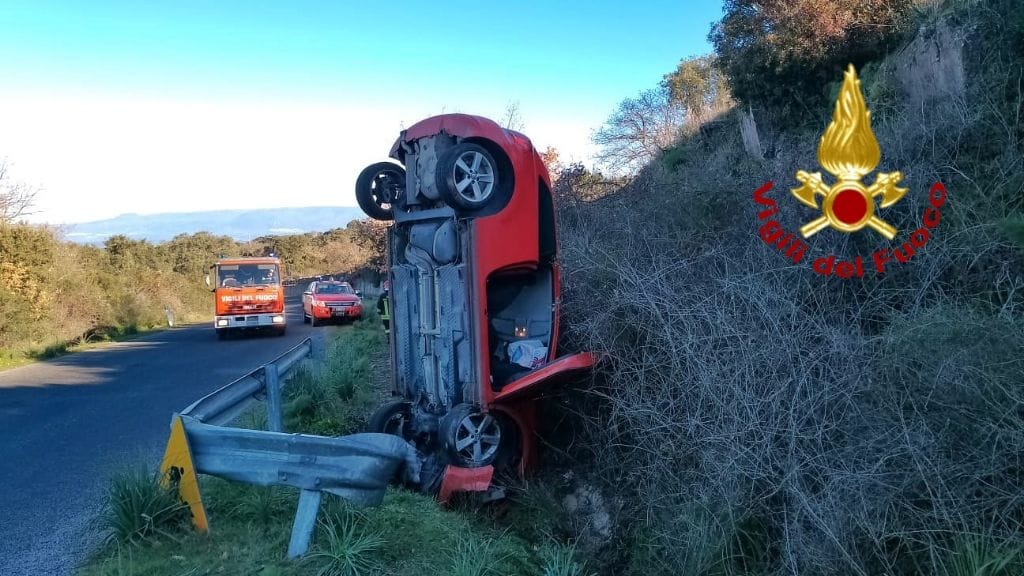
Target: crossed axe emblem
column 848, row 205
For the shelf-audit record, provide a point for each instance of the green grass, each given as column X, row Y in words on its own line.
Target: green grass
column 407, row 534
column 138, row 508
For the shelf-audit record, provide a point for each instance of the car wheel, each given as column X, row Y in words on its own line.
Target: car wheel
column 222, row 334
column 305, row 319
column 474, row 439
column 391, row 418
column 378, row 188
column 312, row 320
column 467, row 176
column 282, row 331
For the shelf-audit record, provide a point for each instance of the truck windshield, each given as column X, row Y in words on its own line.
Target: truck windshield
column 333, row 289
column 248, row 275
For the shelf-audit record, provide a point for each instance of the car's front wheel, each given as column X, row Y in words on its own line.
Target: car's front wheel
column 468, row 176
column 378, row 188
column 391, row 418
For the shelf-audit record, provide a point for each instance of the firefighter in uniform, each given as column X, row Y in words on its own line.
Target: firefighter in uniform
column 384, row 309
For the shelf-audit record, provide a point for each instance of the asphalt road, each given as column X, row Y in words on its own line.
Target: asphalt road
column 68, row 423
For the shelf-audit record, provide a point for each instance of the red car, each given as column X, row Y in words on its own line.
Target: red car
column 474, row 286
column 330, row 300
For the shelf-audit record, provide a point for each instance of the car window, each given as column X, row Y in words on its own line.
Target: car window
column 333, row 289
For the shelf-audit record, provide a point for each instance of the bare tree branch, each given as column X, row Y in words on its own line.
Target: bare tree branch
column 16, row 198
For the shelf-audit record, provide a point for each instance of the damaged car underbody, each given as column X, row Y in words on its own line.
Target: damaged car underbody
column 475, row 295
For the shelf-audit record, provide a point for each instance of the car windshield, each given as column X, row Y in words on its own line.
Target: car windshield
column 333, row 289
column 248, row 275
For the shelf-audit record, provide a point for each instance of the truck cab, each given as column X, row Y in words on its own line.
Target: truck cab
column 248, row 295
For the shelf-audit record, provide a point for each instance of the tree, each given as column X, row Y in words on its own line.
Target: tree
column 16, row 198
column 372, row 237
column 640, row 129
column 550, row 157
column 784, row 53
column 700, row 87
column 513, row 119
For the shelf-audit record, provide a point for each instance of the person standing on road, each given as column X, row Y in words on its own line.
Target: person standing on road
column 384, row 309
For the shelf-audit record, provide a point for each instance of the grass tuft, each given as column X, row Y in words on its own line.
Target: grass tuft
column 345, row 548
column 560, row 560
column 140, row 508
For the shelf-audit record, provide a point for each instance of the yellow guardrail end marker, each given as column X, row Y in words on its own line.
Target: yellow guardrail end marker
column 178, row 470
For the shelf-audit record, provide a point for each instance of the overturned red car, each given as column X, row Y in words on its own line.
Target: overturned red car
column 474, row 283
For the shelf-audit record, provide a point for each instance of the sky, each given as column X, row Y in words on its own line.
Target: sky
column 146, row 107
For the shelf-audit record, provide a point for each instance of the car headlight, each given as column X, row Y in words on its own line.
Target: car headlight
column 277, row 319
column 222, row 322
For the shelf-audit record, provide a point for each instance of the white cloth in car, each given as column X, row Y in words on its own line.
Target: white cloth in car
column 527, row 353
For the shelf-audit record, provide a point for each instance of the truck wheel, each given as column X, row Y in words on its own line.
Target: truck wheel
column 222, row 334
column 467, row 176
column 378, row 188
column 282, row 331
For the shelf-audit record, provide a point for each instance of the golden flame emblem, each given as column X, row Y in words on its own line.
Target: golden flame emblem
column 849, row 151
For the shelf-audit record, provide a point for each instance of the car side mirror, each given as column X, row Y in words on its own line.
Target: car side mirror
column 208, row 284
column 359, row 293
column 307, row 293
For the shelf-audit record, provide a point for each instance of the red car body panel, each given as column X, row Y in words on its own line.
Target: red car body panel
column 563, row 367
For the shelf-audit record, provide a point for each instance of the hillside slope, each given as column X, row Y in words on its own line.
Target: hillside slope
column 759, row 418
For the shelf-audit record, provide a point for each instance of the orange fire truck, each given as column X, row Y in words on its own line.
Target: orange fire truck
column 248, row 295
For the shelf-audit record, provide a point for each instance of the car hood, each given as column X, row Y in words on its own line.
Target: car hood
column 336, row 297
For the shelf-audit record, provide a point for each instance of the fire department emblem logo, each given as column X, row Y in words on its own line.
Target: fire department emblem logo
column 849, row 151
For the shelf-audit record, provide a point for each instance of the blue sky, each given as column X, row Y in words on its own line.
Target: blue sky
column 115, row 107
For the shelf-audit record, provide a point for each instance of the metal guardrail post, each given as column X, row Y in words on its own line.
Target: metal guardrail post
column 273, row 385
column 305, row 522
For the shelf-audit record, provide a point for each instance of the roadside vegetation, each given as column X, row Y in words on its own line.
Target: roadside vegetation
column 56, row 295
column 148, row 530
column 754, row 417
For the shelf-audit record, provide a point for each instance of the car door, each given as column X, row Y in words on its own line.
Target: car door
column 307, row 299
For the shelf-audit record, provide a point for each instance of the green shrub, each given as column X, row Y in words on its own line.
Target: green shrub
column 139, row 508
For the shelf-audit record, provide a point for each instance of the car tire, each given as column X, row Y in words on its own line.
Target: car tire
column 312, row 320
column 378, row 187
column 468, row 177
column 222, row 334
column 495, row 444
column 282, row 331
column 305, row 319
column 391, row 418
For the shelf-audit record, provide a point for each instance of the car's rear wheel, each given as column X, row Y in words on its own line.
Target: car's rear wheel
column 468, row 176
column 378, row 188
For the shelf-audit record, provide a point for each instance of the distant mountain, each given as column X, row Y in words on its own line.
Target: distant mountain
column 241, row 225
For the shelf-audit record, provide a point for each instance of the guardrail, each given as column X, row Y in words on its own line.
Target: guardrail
column 225, row 404
column 358, row 467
